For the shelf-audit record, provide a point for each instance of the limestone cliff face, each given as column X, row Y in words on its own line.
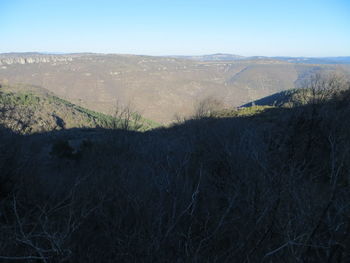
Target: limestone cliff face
column 30, row 59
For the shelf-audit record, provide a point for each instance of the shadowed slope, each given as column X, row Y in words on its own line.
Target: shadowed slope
column 270, row 186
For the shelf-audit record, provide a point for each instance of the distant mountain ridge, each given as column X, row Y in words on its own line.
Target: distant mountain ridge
column 30, row 58
column 214, row 57
column 300, row 60
column 36, row 57
column 316, row 60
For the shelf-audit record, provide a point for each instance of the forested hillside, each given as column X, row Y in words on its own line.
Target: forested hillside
column 29, row 109
column 264, row 183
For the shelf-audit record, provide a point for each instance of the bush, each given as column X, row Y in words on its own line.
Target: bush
column 252, row 189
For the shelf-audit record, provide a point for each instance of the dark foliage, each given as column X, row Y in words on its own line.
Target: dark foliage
column 267, row 188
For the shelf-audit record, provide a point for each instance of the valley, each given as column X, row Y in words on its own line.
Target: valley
column 159, row 88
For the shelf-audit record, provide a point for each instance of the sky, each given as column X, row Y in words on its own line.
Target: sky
column 313, row 28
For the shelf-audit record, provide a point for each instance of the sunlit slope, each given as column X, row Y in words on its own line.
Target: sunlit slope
column 157, row 87
column 29, row 109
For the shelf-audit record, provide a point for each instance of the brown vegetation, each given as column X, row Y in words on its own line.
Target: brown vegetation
column 272, row 187
column 159, row 87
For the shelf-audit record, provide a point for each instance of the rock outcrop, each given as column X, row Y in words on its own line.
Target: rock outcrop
column 33, row 58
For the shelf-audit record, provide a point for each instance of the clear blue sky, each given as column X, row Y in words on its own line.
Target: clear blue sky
column 174, row 27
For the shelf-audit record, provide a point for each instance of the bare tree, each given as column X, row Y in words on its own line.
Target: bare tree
column 319, row 88
column 126, row 119
column 208, row 107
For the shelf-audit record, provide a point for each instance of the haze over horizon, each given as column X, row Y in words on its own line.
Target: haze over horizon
column 163, row 131
column 249, row 28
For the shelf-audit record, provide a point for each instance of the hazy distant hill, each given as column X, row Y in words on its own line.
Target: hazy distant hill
column 300, row 60
column 322, row 60
column 157, row 87
column 214, row 57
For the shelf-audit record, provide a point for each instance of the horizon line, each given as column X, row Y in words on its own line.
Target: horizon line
column 167, row 55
